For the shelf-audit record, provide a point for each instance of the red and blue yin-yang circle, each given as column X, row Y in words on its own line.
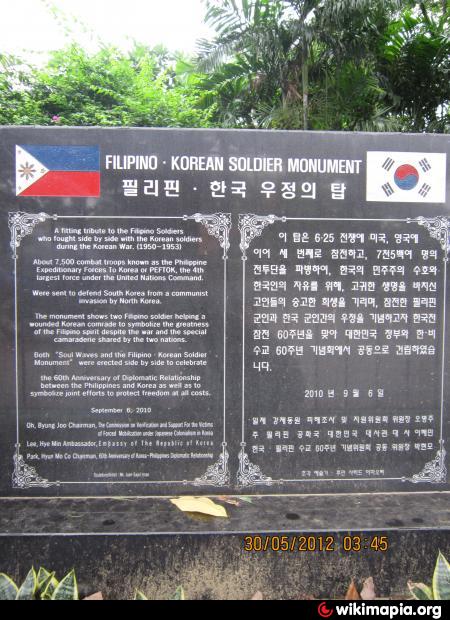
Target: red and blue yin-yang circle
column 406, row 177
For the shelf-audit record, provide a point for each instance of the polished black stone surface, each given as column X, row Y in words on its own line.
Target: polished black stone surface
column 214, row 567
column 315, row 283
column 301, row 514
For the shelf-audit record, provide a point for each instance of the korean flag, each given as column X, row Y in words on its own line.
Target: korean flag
column 406, row 177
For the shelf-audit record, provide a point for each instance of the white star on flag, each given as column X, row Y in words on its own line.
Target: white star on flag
column 406, row 177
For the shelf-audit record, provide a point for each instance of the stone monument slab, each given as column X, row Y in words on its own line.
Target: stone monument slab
column 213, row 311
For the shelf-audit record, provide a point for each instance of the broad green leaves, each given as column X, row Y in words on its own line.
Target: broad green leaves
column 420, row 591
column 142, row 88
column 67, row 589
column 366, row 65
column 28, row 589
column 179, row 595
column 289, row 60
column 40, row 586
column 415, row 63
column 48, row 588
column 8, row 589
column 441, row 579
column 440, row 590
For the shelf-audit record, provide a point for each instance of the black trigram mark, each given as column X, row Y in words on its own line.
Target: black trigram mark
column 425, row 164
column 424, row 190
column 387, row 189
column 388, row 163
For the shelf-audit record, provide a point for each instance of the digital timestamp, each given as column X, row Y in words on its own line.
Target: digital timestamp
column 311, row 543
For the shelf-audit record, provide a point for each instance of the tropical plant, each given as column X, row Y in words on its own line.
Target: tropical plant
column 415, row 65
column 179, row 595
column 275, row 56
column 440, row 588
column 146, row 87
column 367, row 65
column 17, row 104
column 41, row 586
column 117, row 89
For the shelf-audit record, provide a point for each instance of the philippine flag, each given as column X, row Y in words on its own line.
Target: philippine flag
column 63, row 171
column 406, row 177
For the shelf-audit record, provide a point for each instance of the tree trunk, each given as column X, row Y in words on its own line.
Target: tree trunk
column 305, row 86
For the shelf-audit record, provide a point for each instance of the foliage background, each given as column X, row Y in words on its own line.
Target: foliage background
column 370, row 65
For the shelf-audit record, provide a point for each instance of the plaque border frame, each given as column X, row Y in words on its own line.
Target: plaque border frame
column 252, row 226
column 217, row 225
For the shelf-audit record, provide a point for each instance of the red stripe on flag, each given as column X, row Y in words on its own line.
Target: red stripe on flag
column 68, row 184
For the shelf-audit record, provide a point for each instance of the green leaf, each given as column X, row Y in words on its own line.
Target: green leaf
column 420, row 591
column 441, row 579
column 42, row 576
column 67, row 589
column 27, row 591
column 46, row 591
column 47, row 586
column 8, row 589
column 140, row 596
column 179, row 594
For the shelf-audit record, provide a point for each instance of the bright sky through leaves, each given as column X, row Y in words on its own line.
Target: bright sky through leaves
column 29, row 26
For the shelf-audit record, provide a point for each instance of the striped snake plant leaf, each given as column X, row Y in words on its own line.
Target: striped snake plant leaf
column 420, row 591
column 179, row 594
column 8, row 589
column 27, row 591
column 67, row 589
column 441, row 579
column 42, row 576
column 48, row 589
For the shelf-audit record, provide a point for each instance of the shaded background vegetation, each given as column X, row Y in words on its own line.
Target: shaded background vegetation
column 370, row 65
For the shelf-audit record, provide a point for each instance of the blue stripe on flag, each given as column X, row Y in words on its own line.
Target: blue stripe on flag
column 66, row 158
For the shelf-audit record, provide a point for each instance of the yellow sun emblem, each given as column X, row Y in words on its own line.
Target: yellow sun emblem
column 27, row 170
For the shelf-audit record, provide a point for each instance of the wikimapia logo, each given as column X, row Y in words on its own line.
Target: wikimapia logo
column 389, row 610
column 406, row 177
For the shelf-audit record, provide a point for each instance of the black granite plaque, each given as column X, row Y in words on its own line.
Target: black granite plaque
column 190, row 311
